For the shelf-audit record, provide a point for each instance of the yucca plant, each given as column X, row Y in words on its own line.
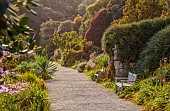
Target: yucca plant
column 45, row 67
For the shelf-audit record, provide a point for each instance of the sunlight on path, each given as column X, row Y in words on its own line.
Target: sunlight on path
column 73, row 91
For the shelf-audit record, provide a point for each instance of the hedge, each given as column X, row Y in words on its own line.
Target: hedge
column 157, row 48
column 131, row 38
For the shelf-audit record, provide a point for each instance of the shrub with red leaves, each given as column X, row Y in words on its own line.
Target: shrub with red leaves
column 99, row 24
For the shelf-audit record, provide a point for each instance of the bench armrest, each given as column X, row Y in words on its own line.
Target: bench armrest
column 120, row 78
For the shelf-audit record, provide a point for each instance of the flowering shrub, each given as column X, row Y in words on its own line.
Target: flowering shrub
column 13, row 88
column 8, row 61
column 29, row 94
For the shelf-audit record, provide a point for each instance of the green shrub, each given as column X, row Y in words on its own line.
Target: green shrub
column 131, row 38
column 32, row 99
column 102, row 60
column 109, row 84
column 153, row 95
column 26, row 57
column 45, row 67
column 157, row 48
column 25, row 67
column 91, row 73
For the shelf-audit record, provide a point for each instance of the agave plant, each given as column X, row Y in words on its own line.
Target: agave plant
column 45, row 67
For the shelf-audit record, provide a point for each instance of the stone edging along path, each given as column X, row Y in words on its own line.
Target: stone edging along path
column 73, row 91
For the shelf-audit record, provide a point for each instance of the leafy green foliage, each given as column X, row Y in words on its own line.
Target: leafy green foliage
column 159, row 46
column 72, row 46
column 136, row 10
column 149, row 93
column 101, row 60
column 12, row 27
column 33, row 98
column 45, row 67
column 131, row 38
column 68, row 40
column 25, row 67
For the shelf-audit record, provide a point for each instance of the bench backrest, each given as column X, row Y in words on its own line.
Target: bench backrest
column 131, row 78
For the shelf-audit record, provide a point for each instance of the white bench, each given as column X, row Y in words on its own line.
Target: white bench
column 123, row 82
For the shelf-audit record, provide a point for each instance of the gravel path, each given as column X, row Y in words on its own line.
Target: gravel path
column 73, row 91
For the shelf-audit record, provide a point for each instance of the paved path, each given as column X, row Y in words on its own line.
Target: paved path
column 73, row 91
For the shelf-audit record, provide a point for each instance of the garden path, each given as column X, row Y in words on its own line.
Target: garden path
column 73, row 91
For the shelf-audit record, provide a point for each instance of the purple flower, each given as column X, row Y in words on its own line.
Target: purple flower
column 14, row 92
column 1, row 70
column 3, row 75
column 6, row 53
column 25, row 84
column 5, row 89
column 1, row 91
column 165, row 60
column 90, row 62
column 7, row 72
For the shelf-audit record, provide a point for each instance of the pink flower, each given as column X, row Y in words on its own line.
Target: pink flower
column 90, row 62
column 23, row 89
column 7, row 72
column 1, row 70
column 14, row 92
column 6, row 53
column 5, row 89
column 1, row 91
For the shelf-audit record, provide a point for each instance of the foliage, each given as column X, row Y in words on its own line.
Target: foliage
column 109, row 84
column 103, row 19
column 91, row 73
column 69, row 57
column 149, row 93
column 81, row 67
column 131, row 38
column 65, row 26
column 114, row 5
column 83, row 5
column 8, row 62
column 25, row 57
column 25, row 67
column 100, row 22
column 42, row 67
column 72, row 46
column 47, row 29
column 11, row 26
column 96, row 6
column 101, row 60
column 45, row 67
column 159, row 46
column 33, row 97
column 77, row 23
column 68, row 40
column 84, row 25
column 67, row 8
column 136, row 10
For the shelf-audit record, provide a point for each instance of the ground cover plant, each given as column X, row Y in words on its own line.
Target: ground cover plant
column 21, row 91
